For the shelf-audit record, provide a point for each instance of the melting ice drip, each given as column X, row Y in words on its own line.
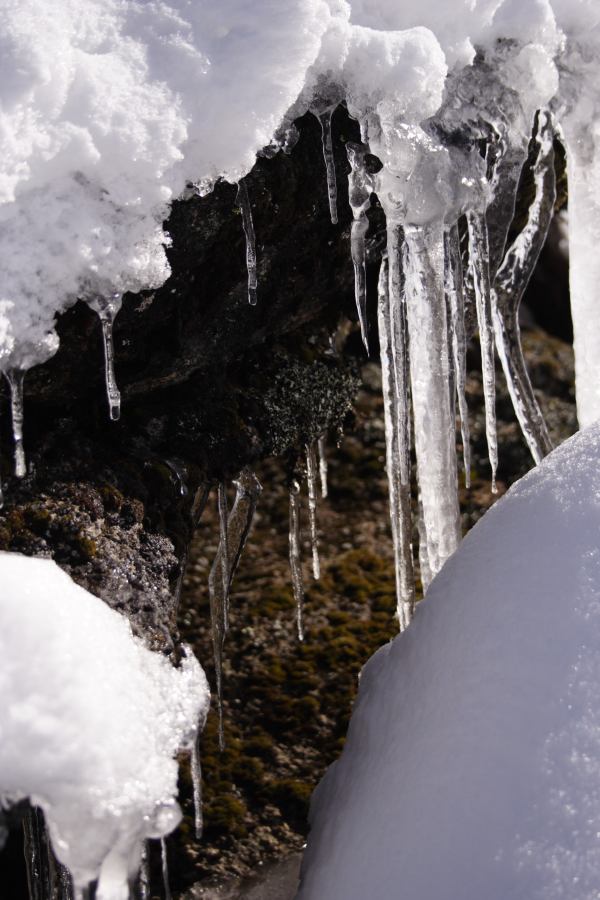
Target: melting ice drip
column 243, row 201
column 107, row 307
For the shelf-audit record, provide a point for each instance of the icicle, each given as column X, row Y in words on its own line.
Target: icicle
column 478, row 254
column 323, row 467
column 295, row 557
column 360, row 188
column 248, row 489
column 394, row 375
column 144, row 876
column 510, row 284
column 243, row 201
column 224, row 546
column 426, row 576
column 36, row 855
column 165, row 869
column 196, row 767
column 435, row 441
column 311, row 477
column 15, row 379
column 107, row 310
column 454, row 293
column 325, row 122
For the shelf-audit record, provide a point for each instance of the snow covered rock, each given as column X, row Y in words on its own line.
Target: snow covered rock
column 472, row 766
column 90, row 722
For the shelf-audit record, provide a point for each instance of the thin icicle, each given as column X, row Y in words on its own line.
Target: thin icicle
column 107, row 309
column 15, row 379
column 311, row 477
column 454, row 293
column 393, row 352
column 478, row 254
column 243, row 202
column 325, row 122
column 248, row 489
column 196, row 767
column 360, row 188
column 224, row 547
column 435, row 439
column 295, row 557
column 510, row 284
column 323, row 466
column 144, row 876
column 165, row 869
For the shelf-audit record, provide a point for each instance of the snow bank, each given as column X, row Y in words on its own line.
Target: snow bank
column 90, row 722
column 472, row 766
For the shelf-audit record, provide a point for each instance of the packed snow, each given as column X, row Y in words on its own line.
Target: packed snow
column 472, row 762
column 90, row 722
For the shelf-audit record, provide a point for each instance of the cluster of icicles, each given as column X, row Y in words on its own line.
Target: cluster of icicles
column 437, row 285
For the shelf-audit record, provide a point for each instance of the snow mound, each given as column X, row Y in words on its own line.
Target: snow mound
column 472, row 766
column 90, row 722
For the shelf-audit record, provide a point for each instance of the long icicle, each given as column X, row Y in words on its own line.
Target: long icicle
column 394, row 372
column 360, row 188
column 323, row 467
column 435, row 439
column 165, row 869
column 311, row 478
column 325, row 122
column 243, row 202
column 240, row 518
column 107, row 308
column 454, row 293
column 15, row 379
column 295, row 557
column 478, row 254
column 510, row 284
column 224, row 546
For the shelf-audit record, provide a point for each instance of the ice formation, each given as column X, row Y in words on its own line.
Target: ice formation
column 472, row 765
column 90, row 723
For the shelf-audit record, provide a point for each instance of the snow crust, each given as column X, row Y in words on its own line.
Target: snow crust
column 90, row 722
column 472, row 765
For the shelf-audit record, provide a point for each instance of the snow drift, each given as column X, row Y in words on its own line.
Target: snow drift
column 472, row 766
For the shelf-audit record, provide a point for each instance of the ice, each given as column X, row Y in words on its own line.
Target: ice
column 243, row 201
column 479, row 261
column 323, row 466
column 107, row 308
column 423, row 256
column 196, row 768
column 311, row 478
column 393, row 348
column 15, row 379
column 360, row 188
column 35, row 846
column 455, row 296
column 471, row 766
column 295, row 557
column 509, row 286
column 91, row 723
column 325, row 122
column 224, row 548
column 144, row 876
column 240, row 518
column 165, row 870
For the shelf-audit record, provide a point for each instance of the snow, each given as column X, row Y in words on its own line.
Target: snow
column 472, row 762
column 90, row 722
